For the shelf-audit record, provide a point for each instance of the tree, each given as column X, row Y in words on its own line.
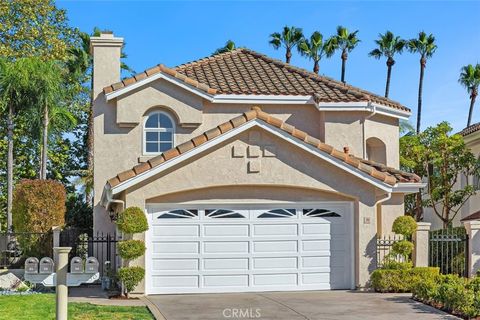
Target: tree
column 426, row 47
column 470, row 79
column 442, row 158
column 34, row 28
column 387, row 46
column 229, row 46
column 315, row 48
column 289, row 38
column 346, row 41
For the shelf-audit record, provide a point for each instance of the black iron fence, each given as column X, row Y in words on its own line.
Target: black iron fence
column 384, row 249
column 102, row 246
column 15, row 247
column 449, row 250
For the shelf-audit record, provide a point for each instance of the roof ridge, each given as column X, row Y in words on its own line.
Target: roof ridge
column 214, row 56
column 389, row 176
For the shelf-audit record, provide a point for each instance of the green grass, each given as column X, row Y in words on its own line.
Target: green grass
column 42, row 306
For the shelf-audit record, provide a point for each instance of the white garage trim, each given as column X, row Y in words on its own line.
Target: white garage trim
column 202, row 254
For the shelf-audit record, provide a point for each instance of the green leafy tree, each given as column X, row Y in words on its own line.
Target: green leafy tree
column 289, row 39
column 229, row 46
column 425, row 46
column 345, row 42
column 387, row 46
column 442, row 158
column 470, row 79
column 315, row 49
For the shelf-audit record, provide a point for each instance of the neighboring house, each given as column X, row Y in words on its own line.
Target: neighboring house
column 471, row 209
column 254, row 175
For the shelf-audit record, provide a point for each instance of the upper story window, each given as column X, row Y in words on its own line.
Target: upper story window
column 158, row 133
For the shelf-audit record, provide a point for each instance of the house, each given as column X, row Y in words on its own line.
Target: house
column 254, row 175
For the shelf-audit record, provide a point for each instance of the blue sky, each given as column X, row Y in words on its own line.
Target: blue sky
column 174, row 32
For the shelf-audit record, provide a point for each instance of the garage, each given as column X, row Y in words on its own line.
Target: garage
column 256, row 247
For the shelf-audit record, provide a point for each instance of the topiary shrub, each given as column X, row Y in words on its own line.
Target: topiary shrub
column 130, row 277
column 403, row 248
column 132, row 220
column 131, row 249
column 404, row 225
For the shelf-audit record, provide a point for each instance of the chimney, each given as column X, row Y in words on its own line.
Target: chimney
column 346, row 150
column 106, row 50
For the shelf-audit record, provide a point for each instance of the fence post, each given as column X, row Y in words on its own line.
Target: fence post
column 473, row 232
column 56, row 241
column 421, row 241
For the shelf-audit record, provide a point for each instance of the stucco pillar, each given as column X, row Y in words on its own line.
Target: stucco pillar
column 473, row 232
column 421, row 241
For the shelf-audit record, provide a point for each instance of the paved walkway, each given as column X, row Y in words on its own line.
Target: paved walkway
column 307, row 305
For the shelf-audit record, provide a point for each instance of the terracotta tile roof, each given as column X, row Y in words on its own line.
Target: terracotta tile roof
column 243, row 71
column 379, row 171
column 470, row 129
column 473, row 216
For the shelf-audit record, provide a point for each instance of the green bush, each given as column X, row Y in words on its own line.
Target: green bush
column 403, row 248
column 392, row 264
column 131, row 277
column 401, row 280
column 131, row 249
column 404, row 225
column 132, row 220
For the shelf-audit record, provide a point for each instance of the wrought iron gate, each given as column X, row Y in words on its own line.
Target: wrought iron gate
column 449, row 251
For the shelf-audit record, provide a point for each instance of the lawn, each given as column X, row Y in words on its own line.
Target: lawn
column 42, row 306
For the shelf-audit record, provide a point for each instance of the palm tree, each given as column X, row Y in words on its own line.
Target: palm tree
column 346, row 42
column 316, row 48
column 388, row 46
column 470, row 79
column 229, row 46
column 425, row 46
column 15, row 97
column 289, row 38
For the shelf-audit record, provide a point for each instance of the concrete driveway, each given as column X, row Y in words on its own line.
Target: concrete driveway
column 335, row 305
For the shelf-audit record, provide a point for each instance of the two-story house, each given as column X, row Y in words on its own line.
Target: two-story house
column 254, row 175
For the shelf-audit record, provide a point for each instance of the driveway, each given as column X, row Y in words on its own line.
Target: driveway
column 312, row 305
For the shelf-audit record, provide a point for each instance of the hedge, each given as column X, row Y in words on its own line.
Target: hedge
column 402, row 279
column 132, row 220
column 131, row 249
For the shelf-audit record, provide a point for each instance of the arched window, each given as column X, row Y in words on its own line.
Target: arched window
column 376, row 150
column 158, row 133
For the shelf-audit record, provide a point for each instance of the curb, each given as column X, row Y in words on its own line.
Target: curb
column 153, row 308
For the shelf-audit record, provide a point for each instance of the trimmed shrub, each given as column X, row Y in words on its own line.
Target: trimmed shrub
column 130, row 277
column 38, row 205
column 396, row 265
column 404, row 225
column 401, row 280
column 131, row 249
column 132, row 220
column 403, row 248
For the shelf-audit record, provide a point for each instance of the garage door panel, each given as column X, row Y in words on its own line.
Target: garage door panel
column 288, row 279
column 275, row 230
column 274, row 246
column 226, row 281
column 175, row 281
column 316, row 245
column 176, row 230
column 184, row 247
column 225, row 247
column 316, row 261
column 175, row 264
column 225, row 264
column 275, row 263
column 316, row 278
column 316, row 229
column 222, row 230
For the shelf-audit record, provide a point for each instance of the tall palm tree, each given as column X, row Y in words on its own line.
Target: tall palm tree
column 15, row 95
column 387, row 46
column 315, row 48
column 470, row 79
column 346, row 41
column 289, row 38
column 229, row 46
column 426, row 47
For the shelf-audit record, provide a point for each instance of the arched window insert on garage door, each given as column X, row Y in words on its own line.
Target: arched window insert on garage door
column 222, row 213
column 179, row 213
column 279, row 213
column 319, row 213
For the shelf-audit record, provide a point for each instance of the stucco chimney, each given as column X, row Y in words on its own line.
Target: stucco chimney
column 106, row 50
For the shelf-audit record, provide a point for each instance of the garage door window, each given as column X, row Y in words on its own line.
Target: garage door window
column 222, row 213
column 278, row 213
column 319, row 213
column 180, row 213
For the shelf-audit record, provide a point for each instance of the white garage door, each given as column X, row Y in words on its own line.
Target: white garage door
column 212, row 248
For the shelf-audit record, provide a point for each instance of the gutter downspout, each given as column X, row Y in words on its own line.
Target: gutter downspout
column 377, row 207
column 373, row 112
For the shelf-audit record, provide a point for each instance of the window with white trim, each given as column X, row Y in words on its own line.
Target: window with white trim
column 158, row 133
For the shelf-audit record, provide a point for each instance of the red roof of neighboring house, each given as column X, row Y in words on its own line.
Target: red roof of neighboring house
column 473, row 216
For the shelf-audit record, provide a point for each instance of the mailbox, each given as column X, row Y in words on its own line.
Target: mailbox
column 31, row 265
column 76, row 265
column 46, row 265
column 91, row 266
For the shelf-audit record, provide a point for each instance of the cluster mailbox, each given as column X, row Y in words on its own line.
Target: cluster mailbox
column 46, row 265
column 76, row 265
column 91, row 265
column 31, row 265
